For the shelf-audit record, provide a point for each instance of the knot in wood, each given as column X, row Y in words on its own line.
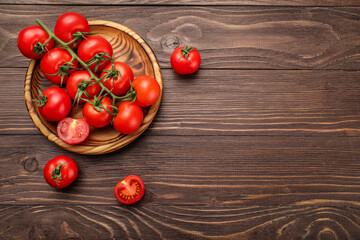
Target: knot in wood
column 170, row 42
column 30, row 164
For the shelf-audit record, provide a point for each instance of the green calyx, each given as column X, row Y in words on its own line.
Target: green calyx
column 97, row 104
column 56, row 173
column 42, row 101
column 64, row 70
column 40, row 48
column 113, row 73
column 130, row 95
column 97, row 59
column 185, row 51
column 81, row 89
column 77, row 36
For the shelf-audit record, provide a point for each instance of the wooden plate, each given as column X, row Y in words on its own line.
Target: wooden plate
column 129, row 48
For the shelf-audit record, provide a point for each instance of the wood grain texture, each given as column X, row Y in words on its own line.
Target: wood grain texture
column 235, row 151
column 227, row 37
column 120, row 222
column 289, row 187
column 231, row 102
column 190, row 2
column 221, row 171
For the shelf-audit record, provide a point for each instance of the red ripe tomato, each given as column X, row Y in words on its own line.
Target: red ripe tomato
column 95, row 48
column 73, row 131
column 120, row 83
column 74, row 81
column 71, row 25
column 185, row 60
column 98, row 117
column 147, row 90
column 30, row 42
column 60, row 171
column 55, row 104
column 129, row 190
column 129, row 118
column 52, row 65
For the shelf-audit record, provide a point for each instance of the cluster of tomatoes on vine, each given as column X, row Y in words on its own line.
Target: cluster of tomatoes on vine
column 84, row 66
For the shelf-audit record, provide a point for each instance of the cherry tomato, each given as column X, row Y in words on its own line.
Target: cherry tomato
column 75, row 80
column 55, row 104
column 129, row 190
column 73, row 131
column 30, row 42
column 185, row 60
column 53, row 63
column 95, row 47
column 129, row 118
column 71, row 25
column 120, row 84
column 147, row 90
column 98, row 117
column 60, row 171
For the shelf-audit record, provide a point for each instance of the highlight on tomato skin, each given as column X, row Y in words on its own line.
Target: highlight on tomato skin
column 129, row 190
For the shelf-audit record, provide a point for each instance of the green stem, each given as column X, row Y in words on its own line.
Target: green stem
column 73, row 54
column 47, row 41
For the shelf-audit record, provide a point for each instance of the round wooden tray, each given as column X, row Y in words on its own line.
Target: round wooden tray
column 129, row 48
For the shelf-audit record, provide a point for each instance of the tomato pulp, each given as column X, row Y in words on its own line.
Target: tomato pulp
column 129, row 190
column 73, row 131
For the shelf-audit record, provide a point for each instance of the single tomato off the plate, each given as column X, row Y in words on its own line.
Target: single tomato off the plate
column 129, row 190
column 60, row 171
column 185, row 60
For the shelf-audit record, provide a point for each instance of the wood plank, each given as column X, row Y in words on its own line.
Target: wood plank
column 190, row 2
column 229, row 187
column 227, row 37
column 230, row 102
column 218, row 171
column 331, row 221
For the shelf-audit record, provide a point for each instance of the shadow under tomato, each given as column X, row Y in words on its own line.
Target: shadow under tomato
column 187, row 77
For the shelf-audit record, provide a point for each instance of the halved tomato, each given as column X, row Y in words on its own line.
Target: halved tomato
column 73, row 131
column 129, row 190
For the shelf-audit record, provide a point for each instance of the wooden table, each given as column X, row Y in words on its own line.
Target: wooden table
column 262, row 143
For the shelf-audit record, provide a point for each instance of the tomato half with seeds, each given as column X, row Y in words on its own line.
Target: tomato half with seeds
column 60, row 171
column 73, row 131
column 129, row 190
column 31, row 42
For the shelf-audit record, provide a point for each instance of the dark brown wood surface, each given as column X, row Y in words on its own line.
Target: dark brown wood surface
column 261, row 143
column 189, row 2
